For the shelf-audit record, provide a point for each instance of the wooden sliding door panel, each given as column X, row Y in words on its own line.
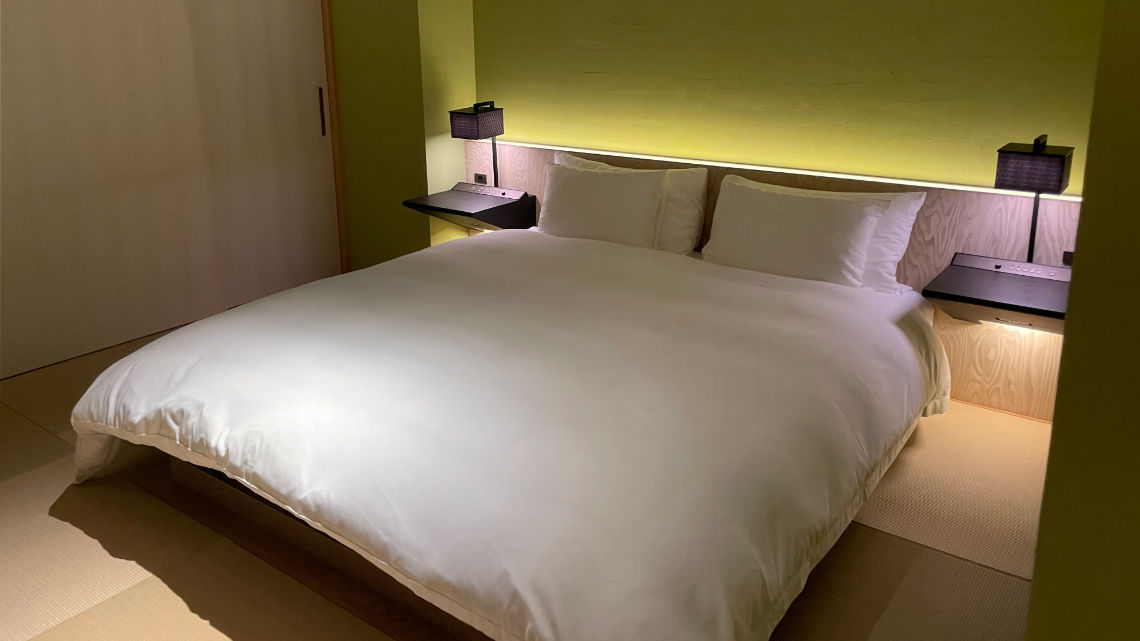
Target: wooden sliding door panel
column 162, row 160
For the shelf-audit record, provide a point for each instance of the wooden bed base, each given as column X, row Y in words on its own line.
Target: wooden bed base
column 309, row 556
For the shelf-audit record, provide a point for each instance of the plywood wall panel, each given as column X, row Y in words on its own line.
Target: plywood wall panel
column 1006, row 368
column 951, row 220
column 1056, row 230
column 972, row 222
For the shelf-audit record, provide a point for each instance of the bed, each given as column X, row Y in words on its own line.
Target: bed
column 549, row 438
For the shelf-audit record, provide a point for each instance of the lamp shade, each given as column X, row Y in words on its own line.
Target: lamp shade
column 1036, row 167
column 479, row 121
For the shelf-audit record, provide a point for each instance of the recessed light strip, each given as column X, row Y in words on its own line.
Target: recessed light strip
column 803, row 172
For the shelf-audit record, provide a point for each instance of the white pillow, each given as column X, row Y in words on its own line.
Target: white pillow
column 679, row 227
column 892, row 233
column 816, row 238
column 602, row 205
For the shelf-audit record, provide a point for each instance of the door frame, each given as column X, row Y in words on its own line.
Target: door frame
column 334, row 132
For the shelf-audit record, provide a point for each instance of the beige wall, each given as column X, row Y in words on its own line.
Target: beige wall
column 1087, row 579
column 924, row 90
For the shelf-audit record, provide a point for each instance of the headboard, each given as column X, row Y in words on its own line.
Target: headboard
column 951, row 220
column 1003, row 367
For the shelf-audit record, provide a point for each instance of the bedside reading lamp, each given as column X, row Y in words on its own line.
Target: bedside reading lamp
column 1039, row 168
column 478, row 122
column 1022, row 294
column 479, row 206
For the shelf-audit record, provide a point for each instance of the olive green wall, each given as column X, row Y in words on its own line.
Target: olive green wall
column 447, row 60
column 922, row 90
column 377, row 59
column 1087, row 579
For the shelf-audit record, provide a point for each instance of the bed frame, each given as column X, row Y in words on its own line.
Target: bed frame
column 1005, row 368
column 344, row 577
column 950, row 220
column 318, row 561
column 307, row 555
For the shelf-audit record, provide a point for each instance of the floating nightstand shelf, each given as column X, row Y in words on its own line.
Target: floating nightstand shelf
column 1023, row 294
column 978, row 288
column 479, row 207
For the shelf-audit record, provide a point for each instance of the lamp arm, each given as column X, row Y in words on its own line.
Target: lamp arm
column 495, row 172
column 1033, row 227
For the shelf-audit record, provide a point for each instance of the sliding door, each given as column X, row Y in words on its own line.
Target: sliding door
column 160, row 161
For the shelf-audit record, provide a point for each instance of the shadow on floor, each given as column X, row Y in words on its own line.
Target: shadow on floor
column 224, row 587
column 872, row 586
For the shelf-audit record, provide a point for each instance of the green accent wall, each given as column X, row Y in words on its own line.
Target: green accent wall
column 447, row 60
column 1087, row 579
column 376, row 53
column 920, row 90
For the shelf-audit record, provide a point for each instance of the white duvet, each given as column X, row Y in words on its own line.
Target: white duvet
column 549, row 438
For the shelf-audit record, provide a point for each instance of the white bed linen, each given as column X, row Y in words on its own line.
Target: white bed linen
column 549, row 438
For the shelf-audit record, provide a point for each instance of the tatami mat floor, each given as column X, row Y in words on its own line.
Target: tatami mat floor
column 969, row 484
column 939, row 553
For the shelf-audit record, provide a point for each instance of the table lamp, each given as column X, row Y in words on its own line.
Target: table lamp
column 1039, row 168
column 477, row 122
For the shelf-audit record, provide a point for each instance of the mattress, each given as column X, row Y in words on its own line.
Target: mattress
column 551, row 439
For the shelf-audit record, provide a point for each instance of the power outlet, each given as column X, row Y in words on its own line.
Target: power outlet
column 481, row 179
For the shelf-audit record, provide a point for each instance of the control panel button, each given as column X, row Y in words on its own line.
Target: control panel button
column 1017, row 267
column 486, row 190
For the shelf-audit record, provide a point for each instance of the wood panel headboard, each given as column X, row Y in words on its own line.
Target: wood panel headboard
column 1007, row 368
column 951, row 220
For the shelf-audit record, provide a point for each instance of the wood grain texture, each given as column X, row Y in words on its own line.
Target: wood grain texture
column 1056, row 230
column 951, row 220
column 1005, row 368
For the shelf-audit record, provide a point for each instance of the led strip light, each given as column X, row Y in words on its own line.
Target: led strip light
column 802, row 172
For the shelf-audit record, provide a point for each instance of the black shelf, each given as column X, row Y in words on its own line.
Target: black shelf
column 489, row 208
column 977, row 288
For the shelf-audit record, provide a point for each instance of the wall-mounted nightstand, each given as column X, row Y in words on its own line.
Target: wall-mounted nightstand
column 978, row 288
column 480, row 207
